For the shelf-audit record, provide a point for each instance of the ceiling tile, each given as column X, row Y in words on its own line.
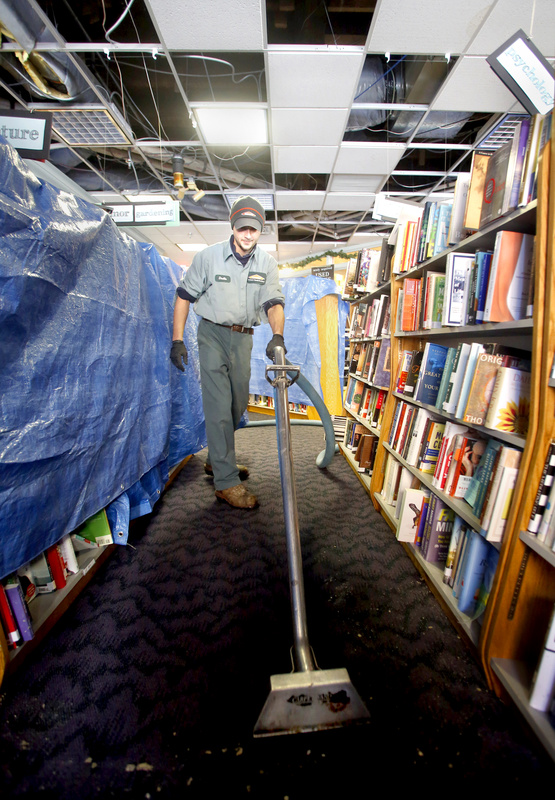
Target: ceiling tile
column 304, row 159
column 312, row 78
column 229, row 25
column 356, row 183
column 536, row 19
column 458, row 93
column 297, row 126
column 299, row 201
column 368, row 159
column 348, row 201
column 425, row 26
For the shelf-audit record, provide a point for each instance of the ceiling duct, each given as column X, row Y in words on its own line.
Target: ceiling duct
column 47, row 75
column 378, row 84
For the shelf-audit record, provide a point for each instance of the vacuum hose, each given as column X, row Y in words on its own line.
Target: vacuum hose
column 325, row 457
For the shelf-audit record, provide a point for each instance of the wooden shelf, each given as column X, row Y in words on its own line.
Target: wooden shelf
column 485, row 330
column 491, row 433
column 538, row 547
column 434, row 576
column 516, row 678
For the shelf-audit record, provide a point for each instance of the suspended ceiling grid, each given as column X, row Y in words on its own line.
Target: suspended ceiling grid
column 361, row 97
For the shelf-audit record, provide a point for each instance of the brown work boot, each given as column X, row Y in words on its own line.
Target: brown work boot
column 243, row 471
column 237, row 496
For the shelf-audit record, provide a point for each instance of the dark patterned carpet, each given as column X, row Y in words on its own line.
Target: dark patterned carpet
column 152, row 682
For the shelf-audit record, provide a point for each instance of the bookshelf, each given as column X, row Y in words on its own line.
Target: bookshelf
column 508, row 636
column 46, row 609
column 375, row 308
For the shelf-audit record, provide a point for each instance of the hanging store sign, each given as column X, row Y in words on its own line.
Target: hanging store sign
column 28, row 133
column 523, row 69
column 162, row 213
column 324, row 272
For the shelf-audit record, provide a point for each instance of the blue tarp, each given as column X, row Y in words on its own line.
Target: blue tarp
column 300, row 336
column 90, row 406
column 92, row 413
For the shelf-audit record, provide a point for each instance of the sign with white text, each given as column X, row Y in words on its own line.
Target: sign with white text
column 161, row 213
column 28, row 133
column 523, row 69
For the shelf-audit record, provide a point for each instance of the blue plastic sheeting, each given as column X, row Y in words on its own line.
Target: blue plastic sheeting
column 300, row 336
column 90, row 405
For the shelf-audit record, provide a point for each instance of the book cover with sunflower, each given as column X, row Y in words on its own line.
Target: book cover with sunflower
column 509, row 408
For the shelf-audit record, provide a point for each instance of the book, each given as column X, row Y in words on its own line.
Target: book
column 437, row 535
column 457, row 287
column 410, row 304
column 7, row 618
column 382, row 373
column 509, row 408
column 42, row 575
column 25, row 575
column 484, row 590
column 434, row 300
column 430, row 374
column 542, row 493
column 417, row 432
column 458, row 530
column 475, row 349
column 467, row 459
column 483, row 263
column 476, row 492
column 413, row 373
column 546, row 523
column 456, row 377
column 481, row 388
column 457, row 230
column 431, row 446
column 475, row 195
column 18, row 607
column 523, row 135
column 509, row 278
column 444, row 383
column 411, row 505
column 542, row 688
column 506, row 457
column 451, row 431
column 498, row 184
column 501, row 504
column 57, row 566
column 405, row 360
column 472, row 573
column 356, row 398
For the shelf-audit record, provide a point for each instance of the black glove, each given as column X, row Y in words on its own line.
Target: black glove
column 275, row 341
column 178, row 352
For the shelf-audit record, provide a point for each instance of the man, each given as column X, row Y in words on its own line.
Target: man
column 234, row 285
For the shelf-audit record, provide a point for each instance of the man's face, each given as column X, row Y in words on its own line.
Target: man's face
column 245, row 239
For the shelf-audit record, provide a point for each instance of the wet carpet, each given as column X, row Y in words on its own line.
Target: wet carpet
column 152, row 682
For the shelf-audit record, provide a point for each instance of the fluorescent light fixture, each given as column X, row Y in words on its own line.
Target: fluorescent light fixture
column 88, row 124
column 524, row 70
column 148, row 198
column 192, row 248
column 265, row 200
column 233, row 124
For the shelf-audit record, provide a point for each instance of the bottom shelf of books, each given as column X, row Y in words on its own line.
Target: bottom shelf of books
column 35, row 597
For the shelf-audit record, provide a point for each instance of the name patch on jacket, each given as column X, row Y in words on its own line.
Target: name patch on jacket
column 257, row 277
column 222, row 278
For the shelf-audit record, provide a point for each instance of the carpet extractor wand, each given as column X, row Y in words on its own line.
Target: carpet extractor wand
column 309, row 698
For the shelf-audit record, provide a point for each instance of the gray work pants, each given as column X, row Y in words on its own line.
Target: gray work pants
column 225, row 368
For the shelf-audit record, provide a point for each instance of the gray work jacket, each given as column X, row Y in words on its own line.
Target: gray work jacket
column 228, row 293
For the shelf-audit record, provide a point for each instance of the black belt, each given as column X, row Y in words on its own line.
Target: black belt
column 237, row 328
